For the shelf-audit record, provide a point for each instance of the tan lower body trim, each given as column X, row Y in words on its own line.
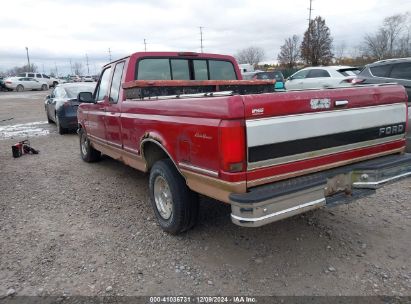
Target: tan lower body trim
column 212, row 187
column 127, row 158
column 276, row 178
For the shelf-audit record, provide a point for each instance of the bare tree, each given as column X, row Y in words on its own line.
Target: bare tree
column 392, row 39
column 290, row 52
column 317, row 43
column 78, row 68
column 251, row 55
column 17, row 70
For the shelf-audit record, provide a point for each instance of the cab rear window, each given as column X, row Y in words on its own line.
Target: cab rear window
column 184, row 69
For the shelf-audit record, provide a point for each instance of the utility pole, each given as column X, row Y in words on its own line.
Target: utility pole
column 201, row 38
column 309, row 13
column 88, row 70
column 57, row 71
column 109, row 54
column 28, row 59
column 145, row 45
column 71, row 68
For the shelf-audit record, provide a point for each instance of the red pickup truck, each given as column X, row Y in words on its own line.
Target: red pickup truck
column 190, row 121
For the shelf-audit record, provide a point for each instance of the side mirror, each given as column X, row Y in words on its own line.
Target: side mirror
column 85, row 97
column 48, row 97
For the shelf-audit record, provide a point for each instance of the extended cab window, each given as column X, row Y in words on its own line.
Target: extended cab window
column 38, row 75
column 116, row 82
column 30, row 75
column 401, row 71
column 154, row 69
column 103, row 85
column 45, row 76
column 200, row 69
column 221, row 70
column 184, row 69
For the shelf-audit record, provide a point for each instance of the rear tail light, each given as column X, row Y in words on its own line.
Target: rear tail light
column 355, row 80
column 67, row 104
column 232, row 145
column 8, row 82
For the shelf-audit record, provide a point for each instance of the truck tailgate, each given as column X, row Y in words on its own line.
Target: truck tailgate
column 296, row 133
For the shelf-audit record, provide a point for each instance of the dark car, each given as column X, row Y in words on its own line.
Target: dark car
column 391, row 70
column 261, row 75
column 61, row 105
column 2, row 85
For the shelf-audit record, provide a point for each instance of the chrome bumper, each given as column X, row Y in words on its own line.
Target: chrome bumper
column 270, row 203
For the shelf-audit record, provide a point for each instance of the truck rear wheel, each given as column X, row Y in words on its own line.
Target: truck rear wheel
column 88, row 153
column 175, row 205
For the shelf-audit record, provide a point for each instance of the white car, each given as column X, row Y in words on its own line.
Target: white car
column 51, row 81
column 21, row 84
column 88, row 79
column 322, row 77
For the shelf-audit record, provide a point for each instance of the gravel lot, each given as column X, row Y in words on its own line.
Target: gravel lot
column 73, row 228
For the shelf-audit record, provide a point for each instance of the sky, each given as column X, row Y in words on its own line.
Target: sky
column 59, row 31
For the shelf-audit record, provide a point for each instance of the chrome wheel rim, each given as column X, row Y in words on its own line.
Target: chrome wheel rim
column 84, row 145
column 163, row 197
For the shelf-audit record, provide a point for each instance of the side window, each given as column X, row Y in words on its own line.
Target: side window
column 30, row 75
column 45, row 76
column 154, row 69
column 401, row 71
column 200, row 70
column 116, row 82
column 316, row 73
column 103, row 85
column 180, row 70
column 381, row 70
column 221, row 70
column 38, row 75
column 301, row 74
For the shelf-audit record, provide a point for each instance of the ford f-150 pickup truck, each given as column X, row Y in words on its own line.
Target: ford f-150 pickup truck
column 191, row 122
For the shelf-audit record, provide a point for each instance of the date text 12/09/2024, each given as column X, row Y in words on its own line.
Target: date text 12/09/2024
column 203, row 299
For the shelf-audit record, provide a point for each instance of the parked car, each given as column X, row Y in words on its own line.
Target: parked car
column 322, row 77
column 391, row 70
column 277, row 75
column 88, row 78
column 51, row 81
column 2, row 85
column 61, row 105
column 397, row 70
column 21, row 84
column 75, row 78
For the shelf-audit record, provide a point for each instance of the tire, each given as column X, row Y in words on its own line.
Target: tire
column 48, row 117
column 60, row 129
column 176, row 207
column 19, row 88
column 44, row 87
column 87, row 152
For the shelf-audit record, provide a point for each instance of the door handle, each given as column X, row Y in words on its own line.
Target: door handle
column 341, row 103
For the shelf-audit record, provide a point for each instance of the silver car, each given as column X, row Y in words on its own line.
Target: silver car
column 322, row 77
column 21, row 84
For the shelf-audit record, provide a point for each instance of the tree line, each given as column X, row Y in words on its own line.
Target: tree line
column 391, row 40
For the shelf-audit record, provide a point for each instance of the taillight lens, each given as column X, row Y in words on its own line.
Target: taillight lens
column 232, row 145
column 357, row 80
column 8, row 82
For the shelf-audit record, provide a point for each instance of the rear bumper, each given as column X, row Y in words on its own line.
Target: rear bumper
column 276, row 201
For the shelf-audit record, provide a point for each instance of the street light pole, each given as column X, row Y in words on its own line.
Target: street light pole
column 28, row 59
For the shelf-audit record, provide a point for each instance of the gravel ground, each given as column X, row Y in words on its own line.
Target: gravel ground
column 73, row 228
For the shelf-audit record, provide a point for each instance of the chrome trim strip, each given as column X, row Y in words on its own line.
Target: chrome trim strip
column 319, row 153
column 375, row 185
column 293, row 127
column 339, row 103
column 198, row 169
column 312, row 203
